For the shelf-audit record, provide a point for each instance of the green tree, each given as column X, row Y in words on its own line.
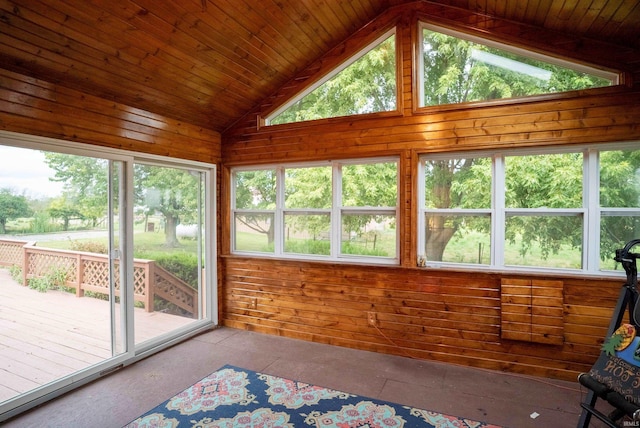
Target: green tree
column 64, row 209
column 620, row 188
column 536, row 181
column 172, row 192
column 363, row 185
column 308, row 188
column 368, row 185
column 455, row 71
column 256, row 190
column 549, row 181
column 366, row 86
column 458, row 71
column 85, row 181
column 12, row 206
column 453, row 183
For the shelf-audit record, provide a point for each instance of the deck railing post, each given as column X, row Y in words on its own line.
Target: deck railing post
column 148, row 286
column 79, row 276
column 25, row 263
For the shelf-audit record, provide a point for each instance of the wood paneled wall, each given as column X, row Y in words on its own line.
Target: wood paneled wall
column 36, row 107
column 438, row 315
column 445, row 315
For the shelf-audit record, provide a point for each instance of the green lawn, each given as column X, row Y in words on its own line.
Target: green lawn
column 147, row 245
column 468, row 249
column 385, row 244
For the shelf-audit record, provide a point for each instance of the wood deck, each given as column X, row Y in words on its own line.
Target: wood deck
column 44, row 336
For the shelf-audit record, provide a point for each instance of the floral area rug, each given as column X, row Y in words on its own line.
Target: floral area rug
column 235, row 397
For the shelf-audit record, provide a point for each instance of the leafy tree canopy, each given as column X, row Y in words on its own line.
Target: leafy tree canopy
column 64, row 209
column 458, row 71
column 536, row 181
column 84, row 183
column 366, row 86
column 171, row 192
column 12, row 206
column 363, row 185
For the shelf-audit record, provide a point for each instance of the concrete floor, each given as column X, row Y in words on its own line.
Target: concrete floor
column 493, row 397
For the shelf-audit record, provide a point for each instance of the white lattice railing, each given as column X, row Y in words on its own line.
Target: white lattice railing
column 90, row 272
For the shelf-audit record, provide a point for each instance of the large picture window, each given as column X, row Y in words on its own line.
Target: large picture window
column 457, row 68
column 566, row 210
column 334, row 210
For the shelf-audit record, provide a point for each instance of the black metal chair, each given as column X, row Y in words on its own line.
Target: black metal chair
column 628, row 301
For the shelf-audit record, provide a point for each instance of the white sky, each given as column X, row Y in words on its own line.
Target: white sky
column 25, row 172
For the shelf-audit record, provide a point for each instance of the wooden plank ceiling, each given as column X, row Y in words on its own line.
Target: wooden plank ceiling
column 208, row 62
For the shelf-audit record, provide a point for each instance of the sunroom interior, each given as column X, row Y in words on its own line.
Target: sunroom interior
column 435, row 185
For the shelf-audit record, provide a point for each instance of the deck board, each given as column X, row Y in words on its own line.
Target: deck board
column 45, row 336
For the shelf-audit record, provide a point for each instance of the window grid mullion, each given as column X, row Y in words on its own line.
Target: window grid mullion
column 336, row 205
column 510, row 212
column 278, row 228
column 591, row 195
column 421, row 212
column 499, row 216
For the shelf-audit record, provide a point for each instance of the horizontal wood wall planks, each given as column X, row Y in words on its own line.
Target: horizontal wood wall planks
column 421, row 313
column 36, row 107
column 612, row 117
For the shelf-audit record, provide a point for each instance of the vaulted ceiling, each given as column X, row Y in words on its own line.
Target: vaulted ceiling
column 208, row 62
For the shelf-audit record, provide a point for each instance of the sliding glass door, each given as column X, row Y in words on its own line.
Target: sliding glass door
column 104, row 258
column 168, row 243
column 59, row 230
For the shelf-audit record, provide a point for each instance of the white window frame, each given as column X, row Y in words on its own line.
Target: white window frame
column 599, row 72
column 336, row 212
column 591, row 211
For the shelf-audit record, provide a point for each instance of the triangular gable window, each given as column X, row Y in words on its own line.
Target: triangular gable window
column 458, row 68
column 366, row 83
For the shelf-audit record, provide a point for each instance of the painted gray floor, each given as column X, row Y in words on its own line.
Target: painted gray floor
column 494, row 397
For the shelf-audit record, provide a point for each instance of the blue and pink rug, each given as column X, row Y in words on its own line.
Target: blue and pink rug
column 235, row 397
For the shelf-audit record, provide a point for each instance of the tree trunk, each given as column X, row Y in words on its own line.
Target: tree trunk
column 271, row 233
column 438, row 233
column 171, row 237
column 438, row 236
